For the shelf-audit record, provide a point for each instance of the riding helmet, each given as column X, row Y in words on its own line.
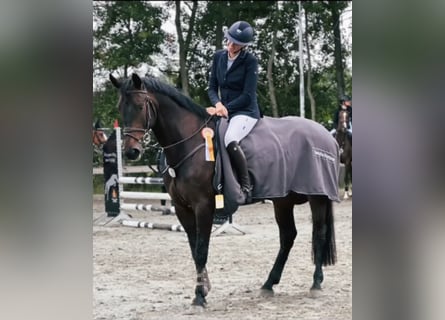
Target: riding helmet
column 345, row 98
column 241, row 33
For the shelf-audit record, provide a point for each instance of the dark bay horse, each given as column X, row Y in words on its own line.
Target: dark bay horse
column 176, row 121
column 345, row 145
column 99, row 139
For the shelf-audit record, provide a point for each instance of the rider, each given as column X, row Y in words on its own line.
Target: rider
column 345, row 104
column 234, row 75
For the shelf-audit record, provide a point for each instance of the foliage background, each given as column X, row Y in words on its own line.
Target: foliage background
column 130, row 37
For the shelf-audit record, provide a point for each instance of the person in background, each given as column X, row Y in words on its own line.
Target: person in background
column 345, row 104
column 232, row 92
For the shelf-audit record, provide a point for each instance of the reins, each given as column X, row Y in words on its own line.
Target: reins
column 194, row 134
column 191, row 153
column 148, row 103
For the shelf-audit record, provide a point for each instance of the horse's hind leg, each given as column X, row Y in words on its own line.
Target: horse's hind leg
column 323, row 236
column 285, row 219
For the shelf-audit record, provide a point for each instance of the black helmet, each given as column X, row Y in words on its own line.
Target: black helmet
column 345, row 98
column 240, row 33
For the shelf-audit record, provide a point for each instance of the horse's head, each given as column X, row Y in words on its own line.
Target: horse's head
column 137, row 110
column 99, row 136
column 343, row 120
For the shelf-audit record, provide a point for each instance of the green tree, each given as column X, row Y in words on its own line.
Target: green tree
column 127, row 34
column 105, row 105
column 324, row 26
column 201, row 29
column 208, row 37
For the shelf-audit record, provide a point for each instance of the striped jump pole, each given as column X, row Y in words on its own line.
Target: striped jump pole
column 147, row 207
column 141, row 180
column 150, row 225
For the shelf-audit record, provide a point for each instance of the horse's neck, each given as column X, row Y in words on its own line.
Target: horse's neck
column 341, row 128
column 341, row 136
column 175, row 124
column 344, row 116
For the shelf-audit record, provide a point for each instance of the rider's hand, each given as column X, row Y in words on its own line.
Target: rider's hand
column 221, row 110
column 211, row 110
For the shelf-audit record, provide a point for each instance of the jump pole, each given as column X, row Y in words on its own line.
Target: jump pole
column 150, row 225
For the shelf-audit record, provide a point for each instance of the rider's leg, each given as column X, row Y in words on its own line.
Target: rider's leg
column 239, row 127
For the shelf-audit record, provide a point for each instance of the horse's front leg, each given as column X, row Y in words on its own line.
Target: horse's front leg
column 204, row 220
column 347, row 180
column 197, row 225
column 350, row 178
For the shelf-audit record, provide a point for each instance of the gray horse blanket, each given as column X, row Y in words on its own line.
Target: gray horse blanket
column 283, row 155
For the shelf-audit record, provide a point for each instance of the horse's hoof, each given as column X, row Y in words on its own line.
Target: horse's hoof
column 266, row 293
column 314, row 293
column 199, row 302
column 194, row 309
column 345, row 197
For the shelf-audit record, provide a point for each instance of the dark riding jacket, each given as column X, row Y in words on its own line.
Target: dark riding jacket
column 349, row 109
column 237, row 86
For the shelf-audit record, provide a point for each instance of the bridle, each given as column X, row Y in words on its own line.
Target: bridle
column 150, row 115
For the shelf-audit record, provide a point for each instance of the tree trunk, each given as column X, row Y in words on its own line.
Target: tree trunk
column 182, row 53
column 337, row 49
column 184, row 45
column 309, row 69
column 219, row 20
column 273, row 99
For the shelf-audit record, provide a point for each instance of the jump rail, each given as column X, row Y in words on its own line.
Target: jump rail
column 151, row 225
column 114, row 181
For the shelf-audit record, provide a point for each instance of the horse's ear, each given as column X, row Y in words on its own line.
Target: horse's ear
column 114, row 81
column 136, row 81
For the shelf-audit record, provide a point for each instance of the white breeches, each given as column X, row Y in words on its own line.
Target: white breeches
column 239, row 127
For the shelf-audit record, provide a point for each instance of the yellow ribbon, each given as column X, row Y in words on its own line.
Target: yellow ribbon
column 208, row 134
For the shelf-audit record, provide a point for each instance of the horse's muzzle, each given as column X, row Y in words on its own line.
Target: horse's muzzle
column 133, row 153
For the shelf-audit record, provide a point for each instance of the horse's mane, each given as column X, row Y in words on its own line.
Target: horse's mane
column 155, row 85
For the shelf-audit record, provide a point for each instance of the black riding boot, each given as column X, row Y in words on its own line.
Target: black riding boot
column 238, row 160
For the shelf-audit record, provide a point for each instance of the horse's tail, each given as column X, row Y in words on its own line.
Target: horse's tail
column 328, row 251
